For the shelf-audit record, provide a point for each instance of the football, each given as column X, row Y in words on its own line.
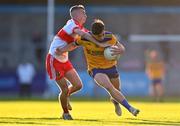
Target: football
column 108, row 54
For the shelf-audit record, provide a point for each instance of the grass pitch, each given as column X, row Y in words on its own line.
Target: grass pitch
column 87, row 113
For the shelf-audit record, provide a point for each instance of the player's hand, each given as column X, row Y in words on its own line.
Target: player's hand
column 118, row 49
column 58, row 51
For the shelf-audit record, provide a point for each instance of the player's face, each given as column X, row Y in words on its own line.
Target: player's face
column 153, row 55
column 100, row 36
column 82, row 16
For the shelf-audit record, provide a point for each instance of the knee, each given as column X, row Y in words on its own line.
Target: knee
column 79, row 86
column 109, row 88
column 64, row 91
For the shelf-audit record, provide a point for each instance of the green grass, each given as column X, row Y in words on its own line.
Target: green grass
column 87, row 113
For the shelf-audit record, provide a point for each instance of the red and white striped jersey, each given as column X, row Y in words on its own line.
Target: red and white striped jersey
column 64, row 37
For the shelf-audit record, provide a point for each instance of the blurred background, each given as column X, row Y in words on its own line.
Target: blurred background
column 27, row 28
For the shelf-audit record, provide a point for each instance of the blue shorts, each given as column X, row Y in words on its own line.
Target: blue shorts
column 157, row 81
column 110, row 72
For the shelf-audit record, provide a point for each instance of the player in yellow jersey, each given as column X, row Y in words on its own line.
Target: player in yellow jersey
column 155, row 70
column 104, row 71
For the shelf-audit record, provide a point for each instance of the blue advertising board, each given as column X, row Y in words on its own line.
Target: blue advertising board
column 9, row 83
column 132, row 84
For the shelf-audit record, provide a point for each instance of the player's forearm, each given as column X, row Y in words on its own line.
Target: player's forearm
column 90, row 38
column 71, row 47
column 67, row 48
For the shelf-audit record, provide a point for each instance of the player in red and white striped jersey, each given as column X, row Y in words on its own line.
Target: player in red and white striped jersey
column 59, row 67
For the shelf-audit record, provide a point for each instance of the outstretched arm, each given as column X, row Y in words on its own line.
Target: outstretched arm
column 90, row 38
column 67, row 48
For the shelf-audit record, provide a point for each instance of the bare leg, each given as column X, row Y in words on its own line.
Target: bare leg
column 159, row 91
column 103, row 80
column 116, row 83
column 75, row 80
column 62, row 84
column 73, row 77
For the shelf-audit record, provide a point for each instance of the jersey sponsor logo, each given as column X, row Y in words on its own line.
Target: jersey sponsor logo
column 95, row 53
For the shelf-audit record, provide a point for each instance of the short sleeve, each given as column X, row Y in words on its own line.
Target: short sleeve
column 70, row 26
column 113, row 40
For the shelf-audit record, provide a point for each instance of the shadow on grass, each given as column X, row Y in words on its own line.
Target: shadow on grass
column 133, row 121
column 151, row 122
column 33, row 121
column 18, row 118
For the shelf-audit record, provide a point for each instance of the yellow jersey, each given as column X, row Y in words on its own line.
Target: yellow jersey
column 155, row 69
column 94, row 54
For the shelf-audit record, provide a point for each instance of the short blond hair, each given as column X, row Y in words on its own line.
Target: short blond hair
column 75, row 7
